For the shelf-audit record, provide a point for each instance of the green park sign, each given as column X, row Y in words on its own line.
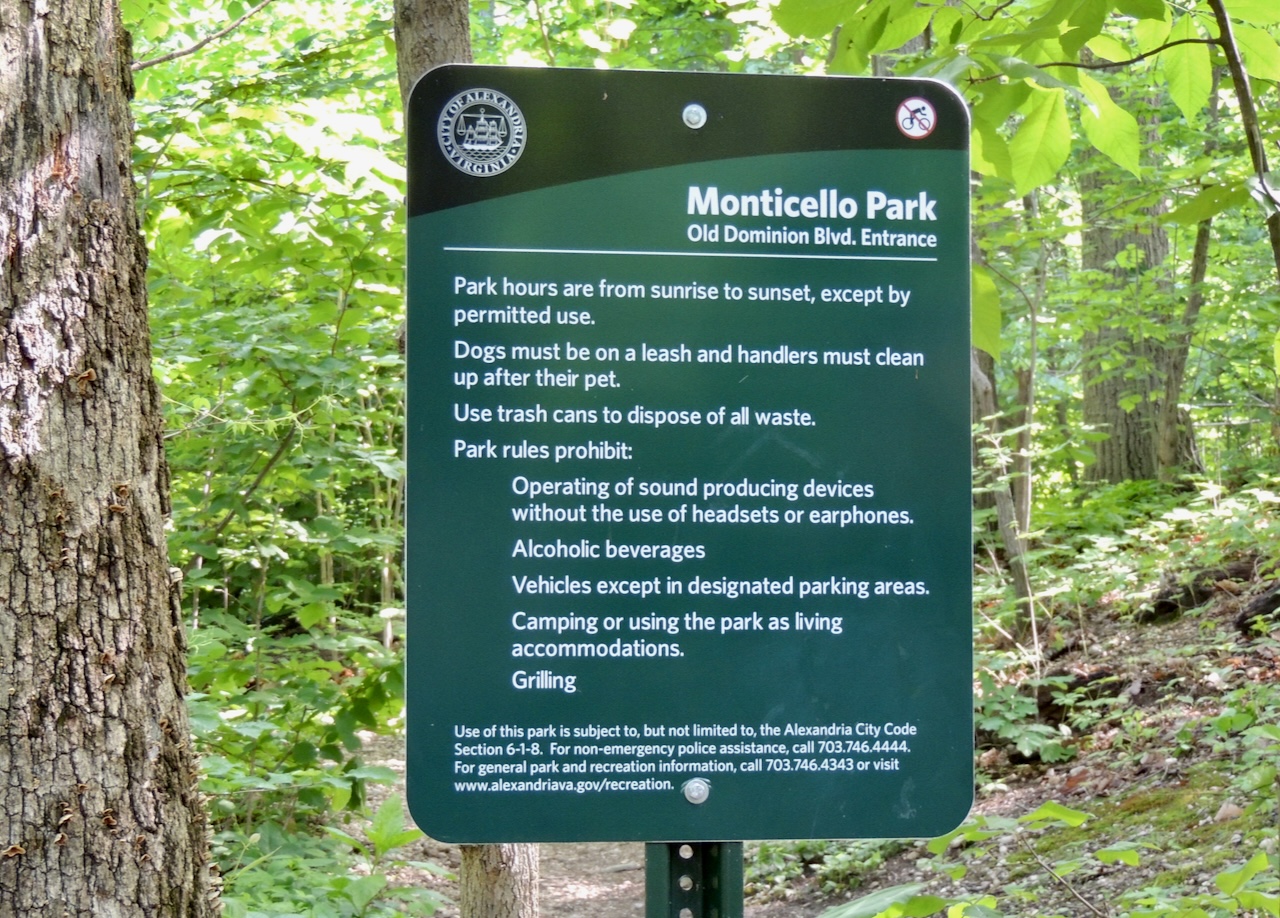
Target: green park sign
column 689, row 543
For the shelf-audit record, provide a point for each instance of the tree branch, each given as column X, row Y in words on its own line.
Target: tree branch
column 1053, row 873
column 1249, row 119
column 1105, row 65
column 174, row 55
column 248, row 492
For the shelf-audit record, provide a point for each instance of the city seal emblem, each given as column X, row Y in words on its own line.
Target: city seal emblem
column 481, row 132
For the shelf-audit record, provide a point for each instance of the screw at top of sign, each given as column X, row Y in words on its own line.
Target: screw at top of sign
column 697, row 790
column 695, row 116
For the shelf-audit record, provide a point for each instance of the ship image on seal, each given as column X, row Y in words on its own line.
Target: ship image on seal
column 481, row 132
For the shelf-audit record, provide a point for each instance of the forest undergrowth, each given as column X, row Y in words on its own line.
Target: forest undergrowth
column 1126, row 766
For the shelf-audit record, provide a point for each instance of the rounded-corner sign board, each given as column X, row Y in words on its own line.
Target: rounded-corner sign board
column 688, row 550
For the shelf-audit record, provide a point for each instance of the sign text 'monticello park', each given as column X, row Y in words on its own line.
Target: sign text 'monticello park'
column 689, row 509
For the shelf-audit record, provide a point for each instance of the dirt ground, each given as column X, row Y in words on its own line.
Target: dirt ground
column 587, row 880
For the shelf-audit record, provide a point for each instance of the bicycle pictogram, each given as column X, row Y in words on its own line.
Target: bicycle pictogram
column 916, row 118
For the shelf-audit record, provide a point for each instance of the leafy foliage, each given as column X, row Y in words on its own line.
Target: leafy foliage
column 270, row 174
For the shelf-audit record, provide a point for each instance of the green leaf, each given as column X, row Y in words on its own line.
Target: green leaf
column 312, row 614
column 1085, row 22
column 1122, row 853
column 1261, row 53
column 1267, row 731
column 1266, row 191
column 903, row 23
column 1047, row 25
column 937, row 845
column 1188, row 69
column 1258, row 12
column 997, row 101
column 1275, row 351
column 1040, row 148
column 871, row 905
column 1018, row 69
column 1055, row 812
column 814, row 18
column 989, row 152
column 1151, row 33
column 387, row 831
column 363, row 890
column 1258, row 777
column 1108, row 48
column 1109, row 127
column 1142, row 9
column 1209, row 203
column 351, row 840
column 1259, row 902
column 986, row 312
column 1232, row 881
column 980, row 909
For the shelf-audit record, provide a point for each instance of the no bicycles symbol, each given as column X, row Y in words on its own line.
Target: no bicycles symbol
column 916, row 118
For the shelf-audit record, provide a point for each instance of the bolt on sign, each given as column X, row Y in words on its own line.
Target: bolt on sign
column 688, row 544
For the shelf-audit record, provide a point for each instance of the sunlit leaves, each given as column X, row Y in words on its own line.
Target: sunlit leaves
column 1142, row 9
column 905, row 20
column 1043, row 142
column 1257, row 12
column 271, row 193
column 986, row 312
column 989, row 151
column 1187, row 67
column 814, row 18
column 1151, row 34
column 1261, row 53
column 1084, row 24
column 1209, row 203
column 1109, row 127
column 640, row 34
column 1108, row 48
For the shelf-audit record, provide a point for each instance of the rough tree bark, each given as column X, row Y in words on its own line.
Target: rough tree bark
column 1122, row 362
column 495, row 881
column 429, row 33
column 99, row 810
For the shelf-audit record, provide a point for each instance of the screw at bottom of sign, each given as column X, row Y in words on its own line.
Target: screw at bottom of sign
column 694, row 115
column 697, row 790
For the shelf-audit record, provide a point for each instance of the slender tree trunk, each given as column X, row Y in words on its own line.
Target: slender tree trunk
column 496, row 881
column 983, row 397
column 99, row 809
column 1249, row 119
column 1173, row 427
column 1175, row 446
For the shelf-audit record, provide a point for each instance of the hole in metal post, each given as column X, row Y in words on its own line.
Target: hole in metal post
column 686, row 883
column 686, row 851
column 686, row 913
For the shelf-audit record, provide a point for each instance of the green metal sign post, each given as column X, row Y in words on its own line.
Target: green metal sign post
column 700, row 880
column 688, row 549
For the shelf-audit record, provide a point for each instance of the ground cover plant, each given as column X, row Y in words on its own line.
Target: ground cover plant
column 1130, row 770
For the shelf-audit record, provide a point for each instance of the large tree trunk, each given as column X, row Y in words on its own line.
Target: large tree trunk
column 99, row 810
column 430, row 33
column 1123, row 383
column 496, row 881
